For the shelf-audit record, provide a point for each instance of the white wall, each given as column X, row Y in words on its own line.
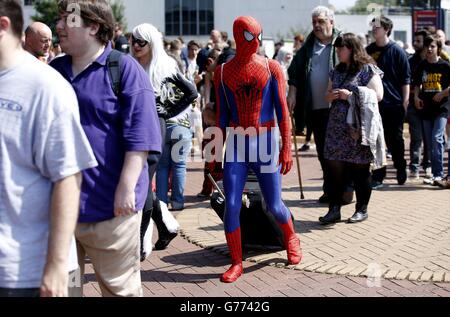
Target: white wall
column 145, row 11
column 278, row 18
column 28, row 11
column 359, row 24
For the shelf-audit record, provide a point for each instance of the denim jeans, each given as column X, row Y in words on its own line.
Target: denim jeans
column 176, row 149
column 434, row 135
column 13, row 292
column 416, row 133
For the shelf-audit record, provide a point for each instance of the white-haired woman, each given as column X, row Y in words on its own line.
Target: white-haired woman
column 174, row 94
column 284, row 57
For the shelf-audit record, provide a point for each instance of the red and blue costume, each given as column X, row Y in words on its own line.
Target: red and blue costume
column 250, row 92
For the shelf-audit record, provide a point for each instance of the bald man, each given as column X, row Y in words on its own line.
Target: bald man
column 38, row 40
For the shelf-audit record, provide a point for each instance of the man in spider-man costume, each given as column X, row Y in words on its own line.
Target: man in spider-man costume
column 251, row 91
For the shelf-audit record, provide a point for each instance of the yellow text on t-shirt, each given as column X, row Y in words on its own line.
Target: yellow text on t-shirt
column 433, row 83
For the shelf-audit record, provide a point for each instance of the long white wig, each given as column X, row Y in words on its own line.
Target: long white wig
column 162, row 65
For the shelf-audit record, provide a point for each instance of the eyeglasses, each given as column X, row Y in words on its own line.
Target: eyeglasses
column 141, row 43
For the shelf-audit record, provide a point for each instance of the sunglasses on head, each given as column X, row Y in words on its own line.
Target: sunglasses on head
column 139, row 42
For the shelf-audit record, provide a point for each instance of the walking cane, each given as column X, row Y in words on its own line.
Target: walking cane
column 302, row 196
column 216, row 186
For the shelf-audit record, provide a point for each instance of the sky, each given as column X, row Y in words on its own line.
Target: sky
column 342, row 4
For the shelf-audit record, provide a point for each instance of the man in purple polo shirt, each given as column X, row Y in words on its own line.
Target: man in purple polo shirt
column 121, row 130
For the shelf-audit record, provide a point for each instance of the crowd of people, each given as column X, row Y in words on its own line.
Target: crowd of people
column 87, row 163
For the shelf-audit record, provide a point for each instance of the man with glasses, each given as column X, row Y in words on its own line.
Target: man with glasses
column 393, row 61
column 38, row 40
column 308, row 83
column 122, row 130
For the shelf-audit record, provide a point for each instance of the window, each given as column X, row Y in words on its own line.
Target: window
column 400, row 36
column 28, row 2
column 189, row 17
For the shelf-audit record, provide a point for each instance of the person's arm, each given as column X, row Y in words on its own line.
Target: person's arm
column 292, row 98
column 445, row 92
column 331, row 95
column 283, row 115
column 208, row 87
column 441, row 95
column 406, row 89
column 418, row 103
column 64, row 211
column 293, row 74
column 124, row 200
column 405, row 92
column 376, row 84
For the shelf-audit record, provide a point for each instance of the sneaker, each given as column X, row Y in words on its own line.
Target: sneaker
column 433, row 181
column 428, row 173
column 414, row 176
column 389, row 155
column 444, row 183
column 377, row 185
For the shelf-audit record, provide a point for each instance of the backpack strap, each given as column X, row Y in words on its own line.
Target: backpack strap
column 223, row 86
column 268, row 68
column 113, row 64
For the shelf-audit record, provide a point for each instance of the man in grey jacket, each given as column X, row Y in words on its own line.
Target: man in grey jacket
column 312, row 64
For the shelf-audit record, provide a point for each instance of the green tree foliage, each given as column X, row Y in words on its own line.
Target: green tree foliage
column 46, row 12
column 119, row 13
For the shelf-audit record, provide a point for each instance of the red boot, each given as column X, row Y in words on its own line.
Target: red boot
column 234, row 244
column 291, row 243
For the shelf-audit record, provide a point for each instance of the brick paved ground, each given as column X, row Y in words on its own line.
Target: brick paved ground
column 407, row 236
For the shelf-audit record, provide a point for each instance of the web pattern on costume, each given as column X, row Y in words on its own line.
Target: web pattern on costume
column 246, row 77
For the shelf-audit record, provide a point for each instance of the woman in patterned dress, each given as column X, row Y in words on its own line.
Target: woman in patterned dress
column 344, row 154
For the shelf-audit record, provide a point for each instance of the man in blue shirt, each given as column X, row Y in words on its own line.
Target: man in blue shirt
column 122, row 130
column 393, row 61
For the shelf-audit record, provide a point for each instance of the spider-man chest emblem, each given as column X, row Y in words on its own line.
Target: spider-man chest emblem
column 247, row 88
column 248, row 92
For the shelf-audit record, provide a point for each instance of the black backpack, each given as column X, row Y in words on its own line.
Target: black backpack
column 113, row 63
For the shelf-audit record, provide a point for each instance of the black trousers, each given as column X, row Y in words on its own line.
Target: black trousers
column 340, row 173
column 149, row 212
column 152, row 162
column 393, row 120
column 319, row 125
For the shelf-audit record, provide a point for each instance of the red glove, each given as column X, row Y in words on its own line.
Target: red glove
column 285, row 160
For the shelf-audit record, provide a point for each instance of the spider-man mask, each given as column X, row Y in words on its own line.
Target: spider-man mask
column 248, row 35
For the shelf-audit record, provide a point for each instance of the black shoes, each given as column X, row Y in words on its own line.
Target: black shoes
column 359, row 216
column 402, row 176
column 164, row 240
column 333, row 216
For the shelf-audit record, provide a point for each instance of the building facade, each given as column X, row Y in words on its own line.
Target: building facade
column 196, row 18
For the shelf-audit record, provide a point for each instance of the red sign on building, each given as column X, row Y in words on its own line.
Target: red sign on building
column 425, row 18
